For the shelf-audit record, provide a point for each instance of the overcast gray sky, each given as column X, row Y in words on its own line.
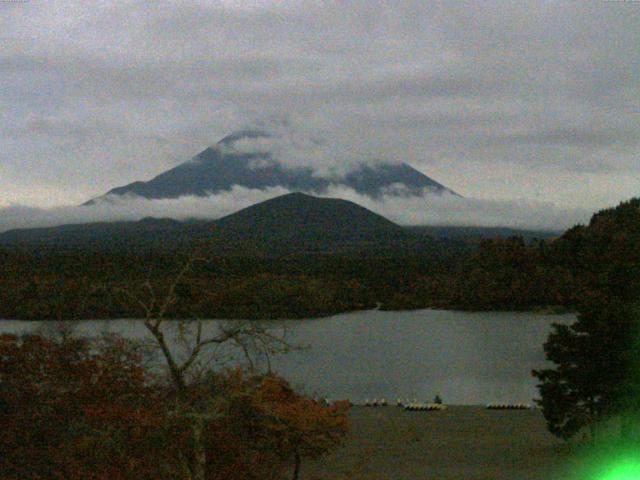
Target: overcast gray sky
column 522, row 102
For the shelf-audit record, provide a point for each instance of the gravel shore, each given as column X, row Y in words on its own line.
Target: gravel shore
column 461, row 443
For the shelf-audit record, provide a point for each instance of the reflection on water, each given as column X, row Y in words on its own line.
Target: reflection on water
column 466, row 358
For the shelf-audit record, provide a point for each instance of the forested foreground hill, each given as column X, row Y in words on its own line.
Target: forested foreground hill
column 465, row 272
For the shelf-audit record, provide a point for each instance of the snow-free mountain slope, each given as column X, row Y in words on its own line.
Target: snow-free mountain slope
column 221, row 167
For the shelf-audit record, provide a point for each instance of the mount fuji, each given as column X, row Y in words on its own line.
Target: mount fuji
column 221, row 167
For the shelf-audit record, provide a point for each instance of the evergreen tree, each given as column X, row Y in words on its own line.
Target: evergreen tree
column 595, row 369
column 597, row 358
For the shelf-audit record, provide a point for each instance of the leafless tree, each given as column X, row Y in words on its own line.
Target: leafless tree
column 190, row 352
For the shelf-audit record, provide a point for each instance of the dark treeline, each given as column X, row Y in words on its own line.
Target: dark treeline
column 80, row 285
column 594, row 379
column 464, row 272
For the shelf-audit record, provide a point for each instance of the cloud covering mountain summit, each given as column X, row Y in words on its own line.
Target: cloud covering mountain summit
column 252, row 159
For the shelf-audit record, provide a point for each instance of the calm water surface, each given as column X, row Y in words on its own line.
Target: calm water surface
column 466, row 358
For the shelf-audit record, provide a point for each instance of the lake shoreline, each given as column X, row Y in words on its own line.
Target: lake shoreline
column 543, row 311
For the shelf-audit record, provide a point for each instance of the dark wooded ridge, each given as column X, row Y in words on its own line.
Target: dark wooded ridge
column 402, row 268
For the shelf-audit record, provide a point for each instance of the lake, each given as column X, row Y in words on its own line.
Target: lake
column 466, row 358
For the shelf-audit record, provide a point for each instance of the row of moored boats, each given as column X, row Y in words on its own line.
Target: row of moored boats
column 422, row 406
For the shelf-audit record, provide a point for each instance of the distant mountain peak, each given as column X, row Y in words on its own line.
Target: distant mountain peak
column 227, row 164
column 298, row 221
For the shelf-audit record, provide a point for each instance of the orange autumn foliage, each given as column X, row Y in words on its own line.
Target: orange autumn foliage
column 71, row 409
column 268, row 425
column 68, row 411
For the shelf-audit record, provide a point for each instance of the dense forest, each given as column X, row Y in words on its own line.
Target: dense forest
column 463, row 272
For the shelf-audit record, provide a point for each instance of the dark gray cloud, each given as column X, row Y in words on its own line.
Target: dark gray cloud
column 536, row 101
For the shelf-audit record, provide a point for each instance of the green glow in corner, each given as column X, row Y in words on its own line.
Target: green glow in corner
column 607, row 461
column 625, row 470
